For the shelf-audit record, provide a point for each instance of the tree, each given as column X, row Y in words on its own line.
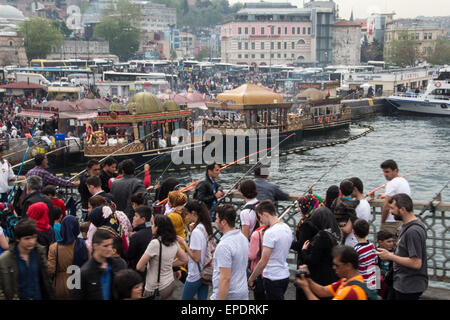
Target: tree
column 62, row 27
column 203, row 53
column 441, row 53
column 39, row 37
column 371, row 51
column 120, row 27
column 404, row 51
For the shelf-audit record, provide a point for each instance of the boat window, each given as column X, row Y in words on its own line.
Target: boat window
column 444, row 106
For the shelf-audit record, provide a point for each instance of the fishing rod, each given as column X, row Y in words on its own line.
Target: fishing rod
column 103, row 159
column 50, row 152
column 258, row 162
column 380, row 187
column 196, row 182
column 309, row 190
column 158, row 157
column 28, row 147
column 437, row 197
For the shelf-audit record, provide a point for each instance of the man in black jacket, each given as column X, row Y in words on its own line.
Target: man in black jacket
column 108, row 172
column 208, row 190
column 23, row 268
column 97, row 274
column 94, row 185
column 34, row 195
column 123, row 188
column 141, row 237
column 93, row 169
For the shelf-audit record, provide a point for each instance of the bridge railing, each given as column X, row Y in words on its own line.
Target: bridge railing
column 437, row 224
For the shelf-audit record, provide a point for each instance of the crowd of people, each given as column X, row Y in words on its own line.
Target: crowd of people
column 134, row 240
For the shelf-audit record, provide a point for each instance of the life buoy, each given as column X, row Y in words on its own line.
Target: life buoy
column 334, row 117
column 327, row 119
column 320, row 120
column 437, row 84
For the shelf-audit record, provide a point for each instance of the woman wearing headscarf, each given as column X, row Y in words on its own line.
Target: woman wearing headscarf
column 317, row 250
column 70, row 250
column 331, row 195
column 39, row 213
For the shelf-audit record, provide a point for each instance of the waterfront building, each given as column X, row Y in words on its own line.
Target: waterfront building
column 156, row 17
column 346, row 43
column 424, row 35
column 80, row 49
column 12, row 50
column 376, row 26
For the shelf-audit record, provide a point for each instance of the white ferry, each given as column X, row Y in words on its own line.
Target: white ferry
column 435, row 100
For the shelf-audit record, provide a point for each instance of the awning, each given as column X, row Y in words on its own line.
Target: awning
column 199, row 105
column 77, row 115
column 35, row 114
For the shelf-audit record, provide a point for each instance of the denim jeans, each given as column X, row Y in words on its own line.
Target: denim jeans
column 190, row 289
column 276, row 289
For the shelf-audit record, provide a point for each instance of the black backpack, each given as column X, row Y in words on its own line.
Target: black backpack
column 371, row 294
column 8, row 221
column 252, row 207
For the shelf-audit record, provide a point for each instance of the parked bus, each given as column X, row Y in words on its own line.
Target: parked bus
column 43, row 63
column 135, row 76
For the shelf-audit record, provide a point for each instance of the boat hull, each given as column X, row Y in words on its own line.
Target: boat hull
column 418, row 106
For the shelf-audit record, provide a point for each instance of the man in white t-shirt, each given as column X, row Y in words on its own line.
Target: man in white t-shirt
column 248, row 213
column 6, row 176
column 276, row 245
column 394, row 186
column 230, row 258
column 363, row 210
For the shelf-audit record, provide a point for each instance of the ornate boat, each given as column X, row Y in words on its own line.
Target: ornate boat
column 141, row 130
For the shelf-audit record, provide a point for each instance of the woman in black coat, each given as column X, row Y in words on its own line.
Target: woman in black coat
column 323, row 235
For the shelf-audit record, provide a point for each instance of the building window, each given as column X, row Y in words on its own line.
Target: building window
column 285, row 30
column 253, row 46
column 298, row 30
column 285, row 45
column 253, row 30
column 246, row 56
column 279, row 30
column 309, row 30
column 279, row 55
column 246, row 30
column 239, row 56
column 293, row 45
column 262, row 55
column 262, row 45
column 271, row 45
column 417, row 36
column 301, row 41
column 272, row 29
column 292, row 56
column 430, row 36
column 262, row 30
column 293, row 30
column 301, row 58
column 304, row 30
column 10, row 43
column 239, row 46
column 279, row 45
column 253, row 56
column 285, row 55
column 246, row 45
column 271, row 55
column 239, row 30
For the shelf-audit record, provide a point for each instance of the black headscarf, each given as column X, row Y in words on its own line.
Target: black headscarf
column 168, row 185
column 323, row 219
column 103, row 217
column 332, row 194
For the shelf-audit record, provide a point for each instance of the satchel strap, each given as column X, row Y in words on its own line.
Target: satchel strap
column 159, row 262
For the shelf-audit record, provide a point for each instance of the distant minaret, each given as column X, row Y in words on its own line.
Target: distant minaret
column 351, row 16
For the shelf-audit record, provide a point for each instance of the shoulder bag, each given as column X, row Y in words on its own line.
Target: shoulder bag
column 156, row 295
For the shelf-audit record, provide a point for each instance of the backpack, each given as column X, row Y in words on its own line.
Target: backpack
column 371, row 294
column 8, row 221
column 252, row 207
column 206, row 273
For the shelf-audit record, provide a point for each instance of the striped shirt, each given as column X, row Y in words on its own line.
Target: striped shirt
column 367, row 263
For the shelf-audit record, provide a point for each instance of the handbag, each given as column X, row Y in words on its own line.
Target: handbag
column 56, row 267
column 155, row 295
column 206, row 273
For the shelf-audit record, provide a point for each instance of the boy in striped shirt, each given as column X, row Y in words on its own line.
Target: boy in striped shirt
column 366, row 252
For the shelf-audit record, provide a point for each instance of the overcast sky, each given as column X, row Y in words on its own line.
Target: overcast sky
column 363, row 8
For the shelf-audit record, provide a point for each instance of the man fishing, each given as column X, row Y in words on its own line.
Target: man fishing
column 395, row 185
